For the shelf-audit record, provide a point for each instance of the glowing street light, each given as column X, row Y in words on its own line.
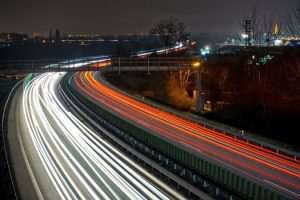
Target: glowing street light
column 196, row 64
column 199, row 104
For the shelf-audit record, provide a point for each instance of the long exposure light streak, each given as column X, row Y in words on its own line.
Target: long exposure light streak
column 79, row 163
column 277, row 172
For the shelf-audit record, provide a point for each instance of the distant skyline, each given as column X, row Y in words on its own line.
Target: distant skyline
column 131, row 16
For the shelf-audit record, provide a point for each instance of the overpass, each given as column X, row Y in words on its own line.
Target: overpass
column 98, row 64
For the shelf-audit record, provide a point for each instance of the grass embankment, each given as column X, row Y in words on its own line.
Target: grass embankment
column 158, row 86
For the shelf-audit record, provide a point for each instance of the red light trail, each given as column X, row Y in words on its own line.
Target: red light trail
column 279, row 172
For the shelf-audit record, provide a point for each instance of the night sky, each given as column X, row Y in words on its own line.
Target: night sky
column 130, row 16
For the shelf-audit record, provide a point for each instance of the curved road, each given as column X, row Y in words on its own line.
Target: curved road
column 280, row 173
column 64, row 158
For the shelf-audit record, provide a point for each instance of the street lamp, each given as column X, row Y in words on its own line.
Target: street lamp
column 196, row 64
column 199, row 103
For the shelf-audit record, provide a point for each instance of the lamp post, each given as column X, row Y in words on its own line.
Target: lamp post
column 199, row 102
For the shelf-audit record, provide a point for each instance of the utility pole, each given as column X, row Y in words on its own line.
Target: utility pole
column 199, row 101
column 248, row 31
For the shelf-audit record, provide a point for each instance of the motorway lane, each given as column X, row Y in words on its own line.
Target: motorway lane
column 276, row 172
column 69, row 160
column 23, row 172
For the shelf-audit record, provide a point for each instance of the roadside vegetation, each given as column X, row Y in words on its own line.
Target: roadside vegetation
column 264, row 99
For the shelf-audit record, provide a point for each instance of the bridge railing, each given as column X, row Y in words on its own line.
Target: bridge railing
column 7, row 64
column 45, row 63
column 97, row 63
column 180, row 61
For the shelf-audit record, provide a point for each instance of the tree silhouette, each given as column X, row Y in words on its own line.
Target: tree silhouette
column 170, row 31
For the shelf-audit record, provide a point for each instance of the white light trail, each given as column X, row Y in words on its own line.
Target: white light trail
column 78, row 162
column 79, row 62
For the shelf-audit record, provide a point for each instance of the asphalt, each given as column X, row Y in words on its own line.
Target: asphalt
column 55, row 156
column 175, row 133
column 31, row 179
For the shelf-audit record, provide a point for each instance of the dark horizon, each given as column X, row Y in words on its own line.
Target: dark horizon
column 132, row 16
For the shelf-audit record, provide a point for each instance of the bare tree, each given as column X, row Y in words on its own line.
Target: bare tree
column 181, row 34
column 251, row 24
column 291, row 25
column 256, row 24
column 267, row 28
column 170, row 31
column 292, row 21
column 184, row 78
column 296, row 12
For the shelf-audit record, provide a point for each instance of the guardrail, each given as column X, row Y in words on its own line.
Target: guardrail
column 45, row 65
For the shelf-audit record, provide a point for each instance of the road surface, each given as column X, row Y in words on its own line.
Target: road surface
column 62, row 158
column 277, row 172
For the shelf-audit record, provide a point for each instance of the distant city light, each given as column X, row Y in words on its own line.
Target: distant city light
column 205, row 51
column 278, row 42
column 193, row 43
column 245, row 36
column 196, row 64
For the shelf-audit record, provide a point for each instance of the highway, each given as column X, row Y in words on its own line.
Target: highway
column 277, row 172
column 65, row 159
